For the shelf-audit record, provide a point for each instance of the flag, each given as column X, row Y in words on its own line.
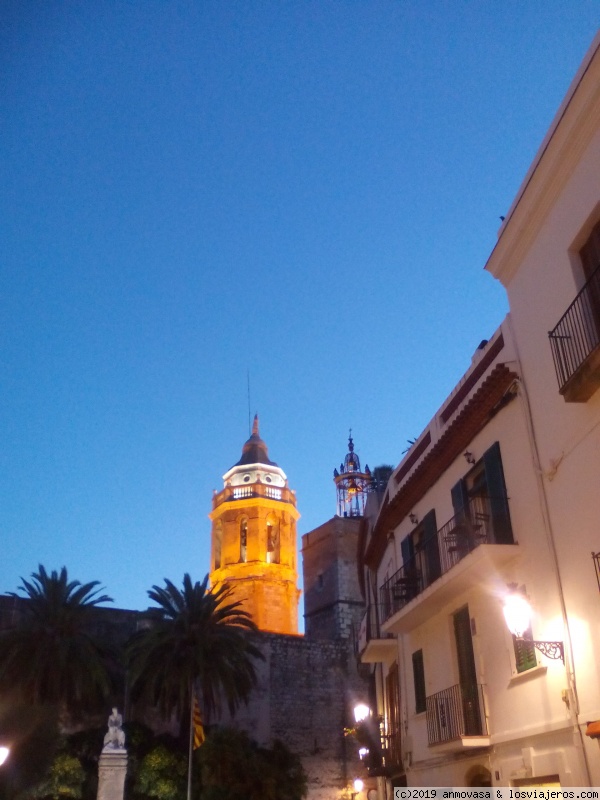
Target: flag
column 198, row 728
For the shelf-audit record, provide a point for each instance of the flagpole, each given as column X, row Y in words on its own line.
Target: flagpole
column 191, row 744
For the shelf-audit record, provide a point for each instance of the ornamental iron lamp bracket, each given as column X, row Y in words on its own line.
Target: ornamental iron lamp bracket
column 596, row 559
column 553, row 650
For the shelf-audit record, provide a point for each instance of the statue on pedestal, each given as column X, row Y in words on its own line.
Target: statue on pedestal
column 114, row 738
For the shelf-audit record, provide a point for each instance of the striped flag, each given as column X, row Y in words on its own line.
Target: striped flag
column 199, row 736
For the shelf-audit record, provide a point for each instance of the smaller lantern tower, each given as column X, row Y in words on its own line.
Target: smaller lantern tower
column 351, row 484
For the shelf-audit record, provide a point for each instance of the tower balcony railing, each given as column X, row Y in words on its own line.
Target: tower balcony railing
column 474, row 525
column 246, row 492
column 575, row 343
column 455, row 713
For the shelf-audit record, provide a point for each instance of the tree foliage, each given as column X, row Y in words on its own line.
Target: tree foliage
column 234, row 767
column 197, row 637
column 162, row 775
column 51, row 655
column 64, row 782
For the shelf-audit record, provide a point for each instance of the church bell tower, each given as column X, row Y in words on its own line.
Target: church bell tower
column 254, row 538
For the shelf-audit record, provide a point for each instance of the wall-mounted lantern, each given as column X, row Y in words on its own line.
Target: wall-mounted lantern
column 517, row 613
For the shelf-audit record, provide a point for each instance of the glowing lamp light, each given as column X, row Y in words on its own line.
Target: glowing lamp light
column 358, row 785
column 361, row 712
column 362, row 752
column 517, row 613
column 4, row 752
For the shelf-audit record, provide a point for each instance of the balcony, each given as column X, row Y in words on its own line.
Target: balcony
column 392, row 754
column 464, row 552
column 384, row 758
column 456, row 718
column 230, row 493
column 374, row 646
column 575, row 343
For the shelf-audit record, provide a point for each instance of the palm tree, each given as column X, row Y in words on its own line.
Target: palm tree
column 51, row 657
column 196, row 637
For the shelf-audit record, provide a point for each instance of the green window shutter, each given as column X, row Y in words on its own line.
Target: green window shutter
column 496, row 489
column 419, row 681
column 460, row 498
column 407, row 549
column 432, row 547
column 524, row 652
column 471, row 718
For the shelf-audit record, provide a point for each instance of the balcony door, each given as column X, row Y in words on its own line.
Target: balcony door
column 394, row 716
column 590, row 262
column 480, row 500
column 467, row 673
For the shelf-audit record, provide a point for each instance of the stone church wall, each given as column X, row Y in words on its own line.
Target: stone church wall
column 306, row 692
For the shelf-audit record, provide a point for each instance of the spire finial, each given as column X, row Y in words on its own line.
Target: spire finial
column 350, row 442
column 255, row 426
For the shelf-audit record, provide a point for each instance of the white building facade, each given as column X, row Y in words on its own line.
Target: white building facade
column 500, row 496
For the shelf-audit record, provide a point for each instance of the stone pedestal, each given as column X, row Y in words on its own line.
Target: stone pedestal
column 112, row 769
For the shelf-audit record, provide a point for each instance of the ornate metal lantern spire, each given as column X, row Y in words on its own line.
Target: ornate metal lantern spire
column 351, row 484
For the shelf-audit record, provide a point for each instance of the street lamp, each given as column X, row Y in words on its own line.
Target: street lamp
column 361, row 712
column 517, row 613
column 4, row 753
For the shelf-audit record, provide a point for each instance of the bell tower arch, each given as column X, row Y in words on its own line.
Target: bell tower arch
column 253, row 538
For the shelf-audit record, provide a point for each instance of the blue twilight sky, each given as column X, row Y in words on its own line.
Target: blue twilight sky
column 307, row 191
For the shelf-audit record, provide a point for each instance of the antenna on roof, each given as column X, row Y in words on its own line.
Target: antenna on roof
column 249, row 421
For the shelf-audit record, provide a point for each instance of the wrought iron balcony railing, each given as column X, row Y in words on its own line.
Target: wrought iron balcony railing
column 454, row 713
column 576, row 337
column 385, row 758
column 392, row 750
column 254, row 490
column 370, row 627
column 476, row 524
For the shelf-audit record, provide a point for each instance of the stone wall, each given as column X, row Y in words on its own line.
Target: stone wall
column 333, row 605
column 305, row 695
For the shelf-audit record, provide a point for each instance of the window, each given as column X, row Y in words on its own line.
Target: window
column 590, row 252
column 480, row 500
column 273, row 544
column 419, row 682
column 218, row 544
column 421, row 556
column 244, row 540
column 524, row 652
column 575, row 340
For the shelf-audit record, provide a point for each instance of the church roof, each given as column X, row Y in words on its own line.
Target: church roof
column 255, row 450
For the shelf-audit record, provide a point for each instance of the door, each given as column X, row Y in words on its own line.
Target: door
column 467, row 675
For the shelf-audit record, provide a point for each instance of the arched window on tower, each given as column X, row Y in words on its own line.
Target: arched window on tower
column 218, row 544
column 244, row 540
column 273, row 544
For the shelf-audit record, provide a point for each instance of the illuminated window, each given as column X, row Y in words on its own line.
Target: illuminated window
column 273, row 546
column 218, row 545
column 243, row 540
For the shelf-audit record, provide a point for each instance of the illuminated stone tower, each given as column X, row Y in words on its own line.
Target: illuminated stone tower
column 254, row 538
